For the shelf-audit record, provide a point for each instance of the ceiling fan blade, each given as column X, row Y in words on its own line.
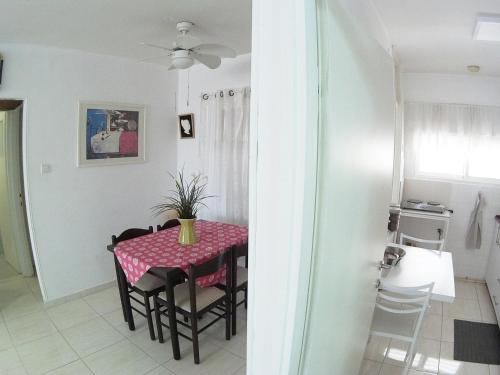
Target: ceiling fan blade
column 156, row 46
column 186, row 41
column 212, row 62
column 155, row 57
column 215, row 50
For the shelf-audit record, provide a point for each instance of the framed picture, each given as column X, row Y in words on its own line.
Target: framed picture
column 110, row 134
column 186, row 125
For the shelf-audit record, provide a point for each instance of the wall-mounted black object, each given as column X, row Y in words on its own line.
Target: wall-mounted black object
column 1, row 68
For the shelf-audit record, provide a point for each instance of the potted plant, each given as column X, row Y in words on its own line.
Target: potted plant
column 186, row 199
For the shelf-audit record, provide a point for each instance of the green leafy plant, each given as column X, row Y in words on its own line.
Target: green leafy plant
column 186, row 199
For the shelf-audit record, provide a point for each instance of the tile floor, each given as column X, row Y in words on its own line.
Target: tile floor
column 88, row 336
column 434, row 353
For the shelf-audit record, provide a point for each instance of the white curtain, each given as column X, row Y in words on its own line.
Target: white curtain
column 452, row 140
column 224, row 134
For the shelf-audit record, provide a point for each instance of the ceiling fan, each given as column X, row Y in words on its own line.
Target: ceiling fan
column 187, row 48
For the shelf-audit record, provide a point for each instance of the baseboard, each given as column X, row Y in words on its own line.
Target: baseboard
column 470, row 280
column 81, row 294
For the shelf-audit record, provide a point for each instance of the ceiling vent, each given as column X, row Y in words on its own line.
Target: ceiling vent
column 488, row 28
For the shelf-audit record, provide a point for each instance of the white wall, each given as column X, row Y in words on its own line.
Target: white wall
column 466, row 89
column 233, row 73
column 74, row 211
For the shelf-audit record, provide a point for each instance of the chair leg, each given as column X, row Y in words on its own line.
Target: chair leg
column 159, row 328
column 246, row 297
column 234, row 306
column 409, row 358
column 228, row 317
column 194, row 333
column 120, row 289
column 149, row 317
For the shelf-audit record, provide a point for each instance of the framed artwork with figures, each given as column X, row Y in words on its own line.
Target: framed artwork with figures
column 186, row 126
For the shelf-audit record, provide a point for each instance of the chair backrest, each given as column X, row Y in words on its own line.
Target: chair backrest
column 207, row 268
column 168, row 224
column 130, row 234
column 405, row 300
column 439, row 243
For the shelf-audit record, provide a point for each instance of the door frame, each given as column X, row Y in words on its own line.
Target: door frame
column 26, row 185
column 295, row 155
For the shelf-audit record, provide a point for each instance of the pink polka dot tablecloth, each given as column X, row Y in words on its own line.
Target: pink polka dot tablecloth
column 161, row 249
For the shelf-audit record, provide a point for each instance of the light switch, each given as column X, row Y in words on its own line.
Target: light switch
column 45, row 168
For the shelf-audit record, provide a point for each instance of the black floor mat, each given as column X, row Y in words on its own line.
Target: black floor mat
column 477, row 342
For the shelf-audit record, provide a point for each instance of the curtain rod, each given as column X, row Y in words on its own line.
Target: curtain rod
column 230, row 92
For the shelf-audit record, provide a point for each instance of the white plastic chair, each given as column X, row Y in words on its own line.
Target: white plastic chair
column 399, row 313
column 438, row 243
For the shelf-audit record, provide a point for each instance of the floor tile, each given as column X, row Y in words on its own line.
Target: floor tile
column 214, row 361
column 123, row 358
column 376, row 348
column 242, row 371
column 485, row 305
column 115, row 318
column 236, row 345
column 448, row 329
column 465, row 309
column 431, row 327
column 370, row 368
column 91, row 336
column 75, row 368
column 6, row 270
column 10, row 363
column 448, row 366
column 465, row 290
column 71, row 313
column 5, row 340
column 435, row 308
column 21, row 305
column 160, row 371
column 161, row 353
column 46, row 354
column 104, row 301
column 30, row 327
column 391, row 370
column 425, row 358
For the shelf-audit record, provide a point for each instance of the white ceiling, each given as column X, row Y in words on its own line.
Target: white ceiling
column 435, row 36
column 116, row 27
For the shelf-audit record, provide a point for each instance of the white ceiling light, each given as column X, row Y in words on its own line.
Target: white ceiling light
column 488, row 28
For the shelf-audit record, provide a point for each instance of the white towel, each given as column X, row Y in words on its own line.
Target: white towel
column 473, row 239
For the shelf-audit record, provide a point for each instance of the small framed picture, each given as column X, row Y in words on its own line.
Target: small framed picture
column 186, row 125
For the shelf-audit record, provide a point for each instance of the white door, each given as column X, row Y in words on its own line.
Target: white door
column 8, row 242
column 13, row 227
column 15, row 190
column 357, row 109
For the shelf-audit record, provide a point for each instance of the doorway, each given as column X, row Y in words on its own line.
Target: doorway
column 15, row 251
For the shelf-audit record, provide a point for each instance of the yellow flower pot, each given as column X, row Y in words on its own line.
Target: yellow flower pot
column 187, row 236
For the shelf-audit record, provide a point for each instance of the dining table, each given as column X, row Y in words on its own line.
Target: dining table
column 160, row 254
column 420, row 266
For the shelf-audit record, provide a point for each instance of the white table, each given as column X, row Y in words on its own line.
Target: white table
column 422, row 266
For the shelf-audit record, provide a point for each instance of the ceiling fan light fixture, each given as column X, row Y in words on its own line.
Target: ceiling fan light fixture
column 182, row 59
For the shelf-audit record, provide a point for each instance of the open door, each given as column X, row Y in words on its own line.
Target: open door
column 356, row 145
column 13, row 224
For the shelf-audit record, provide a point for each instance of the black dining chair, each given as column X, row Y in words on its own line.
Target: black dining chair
column 168, row 224
column 192, row 302
column 148, row 286
column 239, row 281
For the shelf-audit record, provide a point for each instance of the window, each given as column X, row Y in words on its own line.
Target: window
column 452, row 141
